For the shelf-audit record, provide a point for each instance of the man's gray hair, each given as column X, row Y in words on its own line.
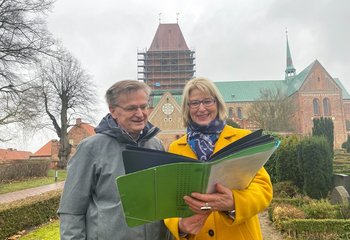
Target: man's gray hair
column 124, row 87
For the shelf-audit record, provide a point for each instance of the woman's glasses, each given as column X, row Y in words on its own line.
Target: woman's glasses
column 207, row 102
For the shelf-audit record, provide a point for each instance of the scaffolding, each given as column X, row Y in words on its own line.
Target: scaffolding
column 166, row 70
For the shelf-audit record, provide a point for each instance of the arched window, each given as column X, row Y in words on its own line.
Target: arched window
column 326, row 107
column 239, row 113
column 316, row 107
column 230, row 112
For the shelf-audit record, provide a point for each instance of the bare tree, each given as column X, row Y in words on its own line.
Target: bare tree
column 67, row 92
column 23, row 39
column 273, row 110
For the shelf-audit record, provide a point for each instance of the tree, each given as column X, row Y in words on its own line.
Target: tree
column 23, row 39
column 272, row 111
column 67, row 92
column 324, row 127
column 316, row 163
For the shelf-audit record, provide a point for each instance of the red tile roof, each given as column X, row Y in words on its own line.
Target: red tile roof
column 45, row 150
column 168, row 38
column 13, row 154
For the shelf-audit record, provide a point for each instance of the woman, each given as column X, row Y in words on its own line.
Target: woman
column 227, row 213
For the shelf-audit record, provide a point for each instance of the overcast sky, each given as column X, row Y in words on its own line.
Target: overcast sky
column 233, row 39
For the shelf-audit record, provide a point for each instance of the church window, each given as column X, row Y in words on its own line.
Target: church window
column 326, row 107
column 316, row 107
column 230, row 112
column 239, row 113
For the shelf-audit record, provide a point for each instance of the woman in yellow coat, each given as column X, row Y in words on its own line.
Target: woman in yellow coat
column 227, row 213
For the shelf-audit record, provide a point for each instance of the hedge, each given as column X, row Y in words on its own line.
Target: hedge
column 296, row 227
column 30, row 212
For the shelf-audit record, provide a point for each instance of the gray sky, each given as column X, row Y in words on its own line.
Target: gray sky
column 233, row 39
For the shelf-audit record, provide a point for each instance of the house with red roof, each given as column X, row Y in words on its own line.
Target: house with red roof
column 76, row 134
column 11, row 154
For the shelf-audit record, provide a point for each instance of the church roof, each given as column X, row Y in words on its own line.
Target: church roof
column 168, row 38
column 246, row 91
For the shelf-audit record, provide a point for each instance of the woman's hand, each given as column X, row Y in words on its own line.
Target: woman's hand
column 221, row 200
column 193, row 224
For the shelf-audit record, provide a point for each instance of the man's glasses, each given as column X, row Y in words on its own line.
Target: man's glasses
column 134, row 108
column 207, row 102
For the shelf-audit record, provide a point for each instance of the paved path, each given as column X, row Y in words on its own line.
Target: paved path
column 14, row 196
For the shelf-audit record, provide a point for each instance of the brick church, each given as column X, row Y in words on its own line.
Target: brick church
column 169, row 63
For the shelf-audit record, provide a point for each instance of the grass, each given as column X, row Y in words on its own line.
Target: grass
column 34, row 182
column 44, row 232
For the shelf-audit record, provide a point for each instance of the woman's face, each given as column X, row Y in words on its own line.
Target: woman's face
column 203, row 107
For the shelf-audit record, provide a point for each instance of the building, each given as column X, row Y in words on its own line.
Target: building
column 168, row 63
column 76, row 133
column 11, row 154
column 313, row 91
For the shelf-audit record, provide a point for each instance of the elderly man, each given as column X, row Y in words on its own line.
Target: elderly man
column 90, row 206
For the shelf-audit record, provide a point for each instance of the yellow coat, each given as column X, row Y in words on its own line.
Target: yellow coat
column 248, row 202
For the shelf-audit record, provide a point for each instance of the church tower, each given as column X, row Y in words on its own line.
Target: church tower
column 290, row 70
column 168, row 63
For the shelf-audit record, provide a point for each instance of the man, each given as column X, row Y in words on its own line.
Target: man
column 90, row 206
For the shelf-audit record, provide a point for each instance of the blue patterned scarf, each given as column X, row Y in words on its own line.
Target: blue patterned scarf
column 202, row 139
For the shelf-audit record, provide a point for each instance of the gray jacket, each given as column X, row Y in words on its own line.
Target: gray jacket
column 90, row 206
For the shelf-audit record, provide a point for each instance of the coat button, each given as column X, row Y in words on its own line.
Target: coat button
column 211, row 232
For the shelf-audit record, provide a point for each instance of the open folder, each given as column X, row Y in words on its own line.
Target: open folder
column 156, row 181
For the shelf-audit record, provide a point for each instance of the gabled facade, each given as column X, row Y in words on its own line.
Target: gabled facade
column 167, row 116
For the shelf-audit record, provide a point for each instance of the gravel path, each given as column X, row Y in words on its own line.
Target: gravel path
column 268, row 231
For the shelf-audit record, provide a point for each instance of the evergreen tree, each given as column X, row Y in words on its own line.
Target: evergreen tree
column 324, row 127
column 315, row 159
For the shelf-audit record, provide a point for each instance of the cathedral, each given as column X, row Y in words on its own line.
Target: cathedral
column 168, row 64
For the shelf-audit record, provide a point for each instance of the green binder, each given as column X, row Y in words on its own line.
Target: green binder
column 157, row 193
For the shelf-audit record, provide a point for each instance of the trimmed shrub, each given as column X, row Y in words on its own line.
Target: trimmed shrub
column 283, row 212
column 324, row 127
column 316, row 228
column 315, row 159
column 27, row 213
column 321, row 209
column 283, row 165
column 23, row 169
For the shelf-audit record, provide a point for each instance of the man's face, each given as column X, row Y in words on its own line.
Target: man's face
column 131, row 113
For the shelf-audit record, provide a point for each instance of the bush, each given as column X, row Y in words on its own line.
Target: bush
column 316, row 228
column 316, row 163
column 23, row 169
column 321, row 209
column 285, row 189
column 324, row 127
column 282, row 165
column 26, row 213
column 283, row 212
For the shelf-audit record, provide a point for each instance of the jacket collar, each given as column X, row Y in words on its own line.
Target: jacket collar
column 227, row 133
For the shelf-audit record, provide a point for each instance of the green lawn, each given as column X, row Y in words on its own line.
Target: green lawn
column 45, row 232
column 35, row 182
